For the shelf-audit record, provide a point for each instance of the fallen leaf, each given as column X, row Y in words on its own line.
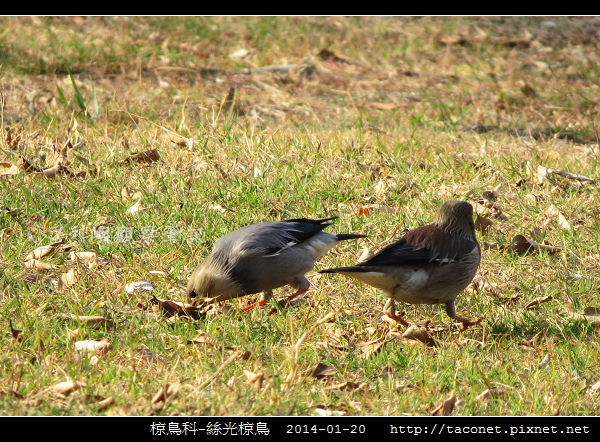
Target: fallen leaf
column 177, row 309
column 137, row 207
column 133, row 287
column 32, row 278
column 125, row 194
column 93, row 322
column 91, row 346
column 38, row 265
column 563, row 223
column 16, row 334
column 66, row 388
column 164, row 395
column 544, row 363
column 384, row 106
column 592, row 311
column 324, row 412
column 67, row 279
column 255, row 379
column 483, row 224
column 88, row 258
column 420, row 333
column 42, row 251
column 490, row 393
column 446, row 408
column 240, row 53
column 203, row 338
column 219, row 208
column 145, row 157
column 8, row 169
column 320, row 370
column 523, row 246
column 345, row 386
column 368, row 349
column 538, row 300
column 571, row 176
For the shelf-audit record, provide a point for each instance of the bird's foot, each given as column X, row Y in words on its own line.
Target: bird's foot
column 256, row 304
column 286, row 302
column 396, row 319
column 466, row 323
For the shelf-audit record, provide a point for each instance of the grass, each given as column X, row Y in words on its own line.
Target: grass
column 378, row 138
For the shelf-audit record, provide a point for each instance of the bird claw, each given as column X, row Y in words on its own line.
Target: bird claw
column 256, row 304
column 466, row 323
column 396, row 319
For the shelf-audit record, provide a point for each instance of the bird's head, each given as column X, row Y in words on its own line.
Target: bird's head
column 456, row 217
column 210, row 280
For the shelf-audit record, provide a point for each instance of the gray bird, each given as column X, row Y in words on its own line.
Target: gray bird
column 429, row 265
column 262, row 257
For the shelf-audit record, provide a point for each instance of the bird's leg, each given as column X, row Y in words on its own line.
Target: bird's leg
column 466, row 323
column 264, row 298
column 303, row 286
column 390, row 310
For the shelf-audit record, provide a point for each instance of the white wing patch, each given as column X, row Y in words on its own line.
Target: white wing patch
column 417, row 280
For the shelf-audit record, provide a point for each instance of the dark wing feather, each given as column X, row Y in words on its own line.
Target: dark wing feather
column 421, row 246
column 268, row 238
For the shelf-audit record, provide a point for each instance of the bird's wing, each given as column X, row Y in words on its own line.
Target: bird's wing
column 427, row 244
column 268, row 239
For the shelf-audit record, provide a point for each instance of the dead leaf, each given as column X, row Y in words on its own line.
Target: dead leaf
column 16, row 334
column 483, row 224
column 66, row 388
column 51, row 172
column 446, row 408
column 544, row 363
column 368, row 349
column 42, row 251
column 133, row 287
column 137, row 207
column 327, row 55
column 538, row 300
column 145, row 157
column 93, row 347
column 321, row 411
column 38, row 265
column 563, row 223
column 420, row 333
column 320, row 370
column 384, row 106
column 8, row 169
column 523, row 246
column 67, row 279
column 491, row 393
column 345, row 386
column 571, row 176
column 592, row 311
column 93, row 322
column 178, row 309
column 164, row 395
column 203, row 338
column 255, row 379
column 219, row 208
column 32, row 278
column 88, row 258
column 125, row 194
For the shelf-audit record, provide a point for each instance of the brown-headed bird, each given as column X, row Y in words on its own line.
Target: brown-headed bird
column 429, row 265
column 262, row 257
